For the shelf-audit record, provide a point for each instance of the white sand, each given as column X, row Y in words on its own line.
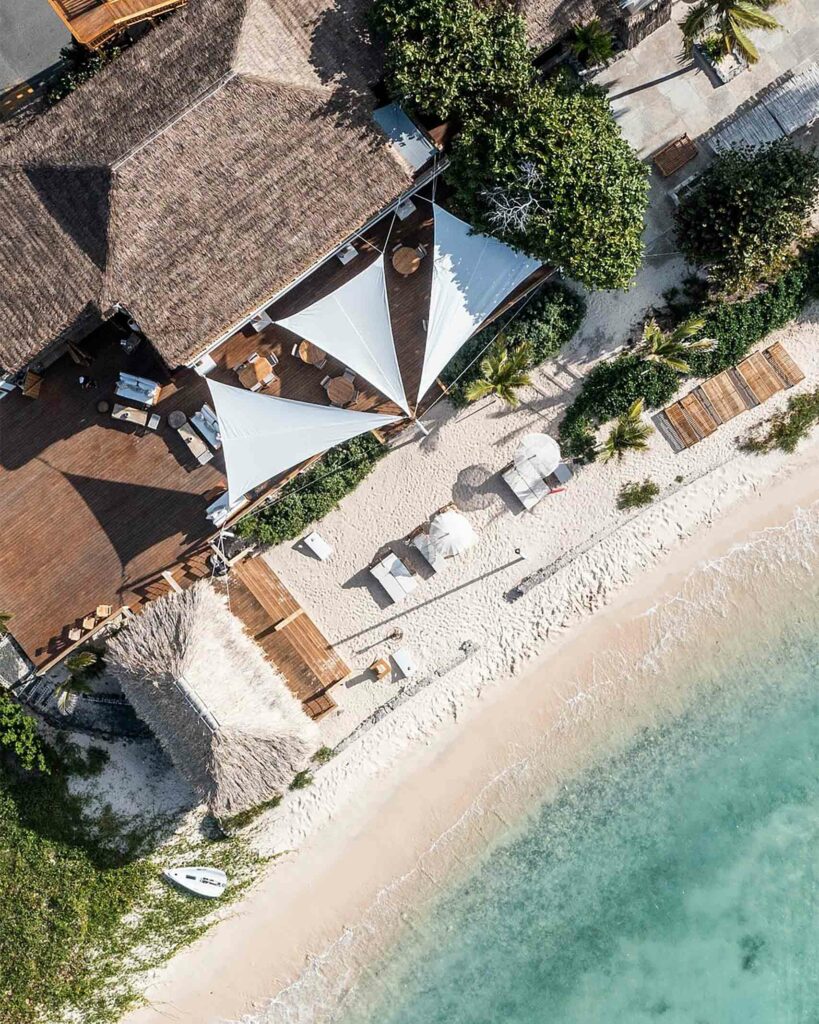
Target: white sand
column 357, row 830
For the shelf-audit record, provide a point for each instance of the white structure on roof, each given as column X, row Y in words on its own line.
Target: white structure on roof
column 471, row 275
column 353, row 324
column 262, row 436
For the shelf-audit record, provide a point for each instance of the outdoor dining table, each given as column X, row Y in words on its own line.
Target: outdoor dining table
column 130, row 415
column 341, row 391
column 406, row 260
column 311, row 354
column 256, row 374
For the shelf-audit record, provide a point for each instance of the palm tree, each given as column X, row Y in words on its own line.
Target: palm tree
column 670, row 349
column 502, row 373
column 730, row 20
column 591, row 44
column 629, row 433
column 81, row 666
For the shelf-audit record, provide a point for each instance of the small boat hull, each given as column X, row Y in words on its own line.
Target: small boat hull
column 202, row 881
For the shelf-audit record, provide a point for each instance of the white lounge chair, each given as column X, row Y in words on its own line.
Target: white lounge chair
column 219, row 511
column 525, row 495
column 137, row 389
column 394, row 577
column 207, row 424
column 405, row 660
column 432, row 557
column 318, row 545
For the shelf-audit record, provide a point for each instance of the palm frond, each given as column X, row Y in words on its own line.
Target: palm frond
column 741, row 41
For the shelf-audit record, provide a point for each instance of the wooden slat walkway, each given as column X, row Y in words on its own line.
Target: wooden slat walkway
column 759, row 377
column 722, row 393
column 784, row 366
column 299, row 650
column 720, row 399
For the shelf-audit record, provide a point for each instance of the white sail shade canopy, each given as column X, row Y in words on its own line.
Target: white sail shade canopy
column 471, row 275
column 262, row 436
column 353, row 325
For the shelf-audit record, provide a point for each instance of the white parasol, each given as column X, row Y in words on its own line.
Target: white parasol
column 540, row 451
column 450, row 534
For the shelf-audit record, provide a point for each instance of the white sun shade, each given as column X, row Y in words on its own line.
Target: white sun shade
column 471, row 276
column 262, row 436
column 353, row 325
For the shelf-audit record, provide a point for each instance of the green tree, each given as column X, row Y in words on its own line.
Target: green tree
column 591, row 43
column 671, row 348
column 82, row 666
column 728, row 20
column 629, row 433
column 747, row 211
column 502, row 373
column 550, row 173
column 446, row 58
column 18, row 734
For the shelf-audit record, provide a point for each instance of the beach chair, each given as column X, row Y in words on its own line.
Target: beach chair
column 396, row 579
column 405, row 661
column 207, row 424
column 433, row 558
column 318, row 545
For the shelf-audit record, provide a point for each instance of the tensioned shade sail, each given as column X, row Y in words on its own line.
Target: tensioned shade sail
column 263, row 436
column 353, row 325
column 471, row 276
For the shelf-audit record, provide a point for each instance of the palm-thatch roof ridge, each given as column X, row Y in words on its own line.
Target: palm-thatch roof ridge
column 223, row 714
column 195, row 176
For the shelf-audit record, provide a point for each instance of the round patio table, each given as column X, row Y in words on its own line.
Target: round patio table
column 311, row 354
column 406, row 261
column 340, row 391
column 176, row 419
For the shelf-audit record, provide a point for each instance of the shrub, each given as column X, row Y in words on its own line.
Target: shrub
column 79, row 66
column 310, row 496
column 746, row 211
column 577, row 440
column 611, row 387
column 591, row 43
column 547, row 322
column 244, row 818
column 302, row 779
column 447, row 58
column 555, row 152
column 323, row 755
column 786, row 429
column 19, row 736
column 636, row 495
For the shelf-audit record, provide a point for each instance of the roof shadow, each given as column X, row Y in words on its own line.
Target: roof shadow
column 78, row 198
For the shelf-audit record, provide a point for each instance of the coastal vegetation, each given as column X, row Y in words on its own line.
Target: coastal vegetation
column 743, row 217
column 630, row 433
column 671, row 348
column 591, row 43
column 82, row 898
column 787, row 428
column 541, row 164
column 19, row 739
column 79, row 65
column 502, row 373
column 637, row 495
column 729, row 21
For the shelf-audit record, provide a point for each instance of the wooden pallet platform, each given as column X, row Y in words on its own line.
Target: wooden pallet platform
column 759, row 377
column 783, row 365
column 724, row 397
column 699, row 416
column 681, row 424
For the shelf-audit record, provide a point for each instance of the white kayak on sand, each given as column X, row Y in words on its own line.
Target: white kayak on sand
column 209, row 882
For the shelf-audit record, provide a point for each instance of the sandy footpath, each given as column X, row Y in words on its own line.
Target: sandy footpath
column 375, row 812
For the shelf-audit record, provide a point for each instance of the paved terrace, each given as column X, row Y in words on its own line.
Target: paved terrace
column 94, row 511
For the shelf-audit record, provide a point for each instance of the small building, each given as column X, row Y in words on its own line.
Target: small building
column 94, row 22
column 222, row 713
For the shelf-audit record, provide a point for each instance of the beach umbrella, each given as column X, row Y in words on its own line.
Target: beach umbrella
column 450, row 533
column 540, row 451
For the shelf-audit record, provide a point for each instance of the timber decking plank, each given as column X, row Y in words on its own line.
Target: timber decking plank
column 722, row 393
column 679, row 421
column 699, row 416
column 784, row 365
column 759, row 377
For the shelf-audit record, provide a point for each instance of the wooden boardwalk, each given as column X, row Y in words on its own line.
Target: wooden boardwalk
column 721, row 398
column 288, row 636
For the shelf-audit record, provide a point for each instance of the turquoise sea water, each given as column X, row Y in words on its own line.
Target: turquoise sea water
column 675, row 881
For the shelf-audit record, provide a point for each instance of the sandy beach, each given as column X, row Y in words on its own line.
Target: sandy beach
column 383, row 821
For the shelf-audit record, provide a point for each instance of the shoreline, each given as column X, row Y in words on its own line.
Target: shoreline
column 393, row 816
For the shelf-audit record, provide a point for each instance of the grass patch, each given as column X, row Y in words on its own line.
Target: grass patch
column 637, row 495
column 311, row 495
column 244, row 818
column 323, row 755
column 82, row 896
column 787, row 428
column 302, row 779
column 547, row 322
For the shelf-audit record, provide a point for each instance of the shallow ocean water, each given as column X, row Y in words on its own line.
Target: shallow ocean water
column 677, row 881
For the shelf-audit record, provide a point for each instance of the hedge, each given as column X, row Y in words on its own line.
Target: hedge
column 611, row 387
column 311, row 495
column 546, row 321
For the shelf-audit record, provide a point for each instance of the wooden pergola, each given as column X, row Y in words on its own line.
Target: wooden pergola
column 94, row 22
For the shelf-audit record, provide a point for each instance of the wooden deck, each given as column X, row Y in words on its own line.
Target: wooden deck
column 721, row 398
column 288, row 636
column 94, row 22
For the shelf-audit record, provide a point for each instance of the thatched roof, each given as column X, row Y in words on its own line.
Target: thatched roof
column 195, row 176
column 221, row 711
column 549, row 20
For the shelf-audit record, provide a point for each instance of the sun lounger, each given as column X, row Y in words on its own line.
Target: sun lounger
column 137, row 389
column 318, row 545
column 394, row 577
column 525, row 495
column 208, row 426
column 218, row 512
column 434, row 558
column 405, row 660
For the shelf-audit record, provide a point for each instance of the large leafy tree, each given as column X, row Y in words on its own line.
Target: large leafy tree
column 447, row 58
column 730, row 21
column 551, row 173
column 747, row 211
